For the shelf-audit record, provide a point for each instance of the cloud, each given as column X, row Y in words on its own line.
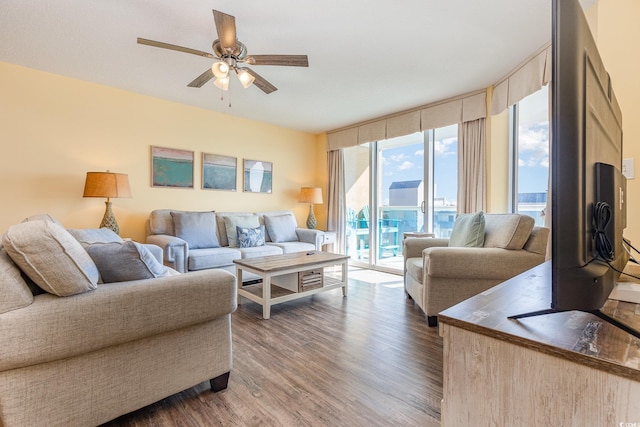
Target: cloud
column 419, row 153
column 398, row 157
column 405, row 165
column 533, row 148
column 444, row 147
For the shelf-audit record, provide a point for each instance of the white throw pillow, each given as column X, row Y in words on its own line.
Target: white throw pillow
column 281, row 228
column 231, row 222
column 51, row 257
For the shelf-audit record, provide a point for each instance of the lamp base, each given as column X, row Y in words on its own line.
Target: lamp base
column 109, row 220
column 311, row 219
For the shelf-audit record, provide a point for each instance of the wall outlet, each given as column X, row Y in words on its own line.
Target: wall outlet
column 627, row 168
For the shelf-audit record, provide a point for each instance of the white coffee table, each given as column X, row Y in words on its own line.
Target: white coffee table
column 272, row 266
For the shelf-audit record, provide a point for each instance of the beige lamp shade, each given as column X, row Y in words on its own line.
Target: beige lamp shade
column 311, row 195
column 107, row 184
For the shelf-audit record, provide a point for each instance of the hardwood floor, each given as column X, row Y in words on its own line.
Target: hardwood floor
column 365, row 360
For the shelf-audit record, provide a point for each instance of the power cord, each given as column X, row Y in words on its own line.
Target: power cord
column 601, row 220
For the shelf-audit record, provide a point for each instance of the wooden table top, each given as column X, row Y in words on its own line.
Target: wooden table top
column 285, row 261
column 576, row 336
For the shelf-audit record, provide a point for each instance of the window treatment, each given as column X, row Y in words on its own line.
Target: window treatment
column 336, row 198
column 472, row 166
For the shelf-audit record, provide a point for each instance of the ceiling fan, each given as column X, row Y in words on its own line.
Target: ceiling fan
column 230, row 53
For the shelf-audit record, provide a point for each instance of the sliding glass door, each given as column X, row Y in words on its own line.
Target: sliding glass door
column 399, row 185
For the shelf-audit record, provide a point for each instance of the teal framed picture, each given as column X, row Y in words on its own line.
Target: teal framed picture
column 258, row 176
column 219, row 172
column 171, row 167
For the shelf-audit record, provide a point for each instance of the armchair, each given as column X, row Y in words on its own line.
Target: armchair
column 438, row 276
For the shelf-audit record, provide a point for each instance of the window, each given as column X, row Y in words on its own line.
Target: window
column 530, row 155
column 411, row 184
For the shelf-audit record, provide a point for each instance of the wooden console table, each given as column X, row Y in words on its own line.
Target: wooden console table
column 560, row 369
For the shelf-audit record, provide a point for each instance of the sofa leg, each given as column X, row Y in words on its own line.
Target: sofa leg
column 220, row 382
column 432, row 321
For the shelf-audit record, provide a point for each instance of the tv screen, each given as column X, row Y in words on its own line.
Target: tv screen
column 588, row 190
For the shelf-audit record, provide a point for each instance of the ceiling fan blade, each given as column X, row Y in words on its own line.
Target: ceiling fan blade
column 174, row 47
column 202, row 79
column 284, row 60
column 261, row 82
column 226, row 27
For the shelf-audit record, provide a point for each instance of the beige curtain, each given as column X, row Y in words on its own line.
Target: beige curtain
column 336, row 198
column 471, row 166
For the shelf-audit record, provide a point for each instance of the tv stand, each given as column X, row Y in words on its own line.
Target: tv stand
column 598, row 313
column 577, row 369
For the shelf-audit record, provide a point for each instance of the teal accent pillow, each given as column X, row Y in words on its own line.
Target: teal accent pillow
column 198, row 229
column 468, row 231
column 250, row 237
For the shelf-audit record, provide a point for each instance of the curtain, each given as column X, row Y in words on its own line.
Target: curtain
column 336, row 195
column 471, row 166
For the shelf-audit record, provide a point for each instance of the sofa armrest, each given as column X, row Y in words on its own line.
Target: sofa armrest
column 413, row 246
column 315, row 237
column 176, row 250
column 53, row 328
column 156, row 251
column 478, row 263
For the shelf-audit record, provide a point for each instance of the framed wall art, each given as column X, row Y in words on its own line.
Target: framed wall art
column 171, row 167
column 258, row 176
column 219, row 172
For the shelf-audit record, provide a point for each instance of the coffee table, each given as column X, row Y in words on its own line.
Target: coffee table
column 274, row 266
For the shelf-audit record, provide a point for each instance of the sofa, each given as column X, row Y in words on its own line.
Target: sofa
column 439, row 274
column 193, row 241
column 91, row 331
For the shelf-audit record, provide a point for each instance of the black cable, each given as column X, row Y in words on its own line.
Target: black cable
column 601, row 220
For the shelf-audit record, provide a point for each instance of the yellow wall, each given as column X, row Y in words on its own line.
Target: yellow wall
column 618, row 38
column 54, row 129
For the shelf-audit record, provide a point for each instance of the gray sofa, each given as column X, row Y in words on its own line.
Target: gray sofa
column 438, row 276
column 194, row 241
column 77, row 351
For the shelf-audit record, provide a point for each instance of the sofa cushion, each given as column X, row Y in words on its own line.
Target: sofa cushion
column 200, row 259
column 241, row 220
column 257, row 251
column 507, row 231
column 89, row 236
column 289, row 247
column 281, row 228
column 51, row 257
column 14, row 290
column 250, row 237
column 198, row 229
column 125, row 261
column 468, row 230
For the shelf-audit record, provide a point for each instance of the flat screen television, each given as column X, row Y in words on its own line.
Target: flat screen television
column 588, row 206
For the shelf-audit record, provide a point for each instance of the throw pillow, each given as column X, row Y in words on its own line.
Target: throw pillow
column 198, row 229
column 233, row 221
column 125, row 261
column 89, row 236
column 15, row 292
column 250, row 237
column 51, row 257
column 468, row 230
column 507, row 231
column 281, row 228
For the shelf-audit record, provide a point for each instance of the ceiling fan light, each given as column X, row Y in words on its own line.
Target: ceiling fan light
column 245, row 77
column 220, row 69
column 222, row 83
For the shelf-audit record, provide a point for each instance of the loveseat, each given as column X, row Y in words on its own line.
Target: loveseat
column 75, row 350
column 439, row 275
column 194, row 241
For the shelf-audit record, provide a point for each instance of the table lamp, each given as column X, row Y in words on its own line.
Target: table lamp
column 107, row 184
column 313, row 196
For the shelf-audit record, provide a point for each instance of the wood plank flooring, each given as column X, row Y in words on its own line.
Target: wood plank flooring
column 365, row 360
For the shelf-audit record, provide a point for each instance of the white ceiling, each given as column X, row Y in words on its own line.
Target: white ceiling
column 367, row 58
